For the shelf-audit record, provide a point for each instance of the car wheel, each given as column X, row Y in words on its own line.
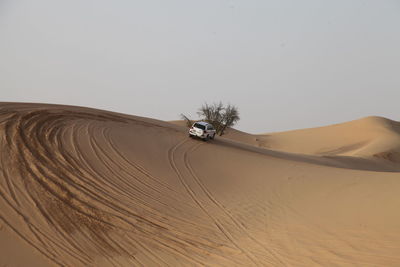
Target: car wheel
column 212, row 137
column 207, row 138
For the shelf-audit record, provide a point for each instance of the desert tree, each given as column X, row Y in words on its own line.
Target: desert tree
column 229, row 117
column 222, row 117
column 212, row 114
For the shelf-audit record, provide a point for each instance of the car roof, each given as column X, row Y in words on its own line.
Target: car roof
column 203, row 123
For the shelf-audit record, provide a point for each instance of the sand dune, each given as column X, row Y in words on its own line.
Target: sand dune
column 85, row 187
column 363, row 137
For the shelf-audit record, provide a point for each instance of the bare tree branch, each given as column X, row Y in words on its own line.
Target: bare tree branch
column 188, row 121
column 218, row 115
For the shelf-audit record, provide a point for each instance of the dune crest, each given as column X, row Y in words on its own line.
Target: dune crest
column 370, row 137
column 362, row 138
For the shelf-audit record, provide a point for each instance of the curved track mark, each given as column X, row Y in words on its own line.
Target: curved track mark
column 222, row 208
column 189, row 190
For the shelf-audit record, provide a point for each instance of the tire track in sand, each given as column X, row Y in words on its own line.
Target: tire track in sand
column 192, row 194
column 211, row 197
column 70, row 214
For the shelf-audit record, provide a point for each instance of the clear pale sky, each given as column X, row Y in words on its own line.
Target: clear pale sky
column 285, row 64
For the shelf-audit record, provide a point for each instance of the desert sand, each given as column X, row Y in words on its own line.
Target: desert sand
column 86, row 187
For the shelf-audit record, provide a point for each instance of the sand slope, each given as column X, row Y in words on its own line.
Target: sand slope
column 84, row 187
column 363, row 137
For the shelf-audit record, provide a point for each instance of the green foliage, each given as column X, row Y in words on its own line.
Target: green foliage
column 229, row 117
column 219, row 115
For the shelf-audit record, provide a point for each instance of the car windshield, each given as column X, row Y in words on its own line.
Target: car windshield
column 197, row 125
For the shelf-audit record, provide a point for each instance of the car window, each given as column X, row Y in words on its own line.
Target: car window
column 197, row 125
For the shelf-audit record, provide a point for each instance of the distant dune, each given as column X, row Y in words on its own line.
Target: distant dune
column 86, row 187
column 364, row 137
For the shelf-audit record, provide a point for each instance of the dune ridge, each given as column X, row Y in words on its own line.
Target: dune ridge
column 86, row 187
column 363, row 137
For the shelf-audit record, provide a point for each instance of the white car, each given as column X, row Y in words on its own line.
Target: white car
column 202, row 129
